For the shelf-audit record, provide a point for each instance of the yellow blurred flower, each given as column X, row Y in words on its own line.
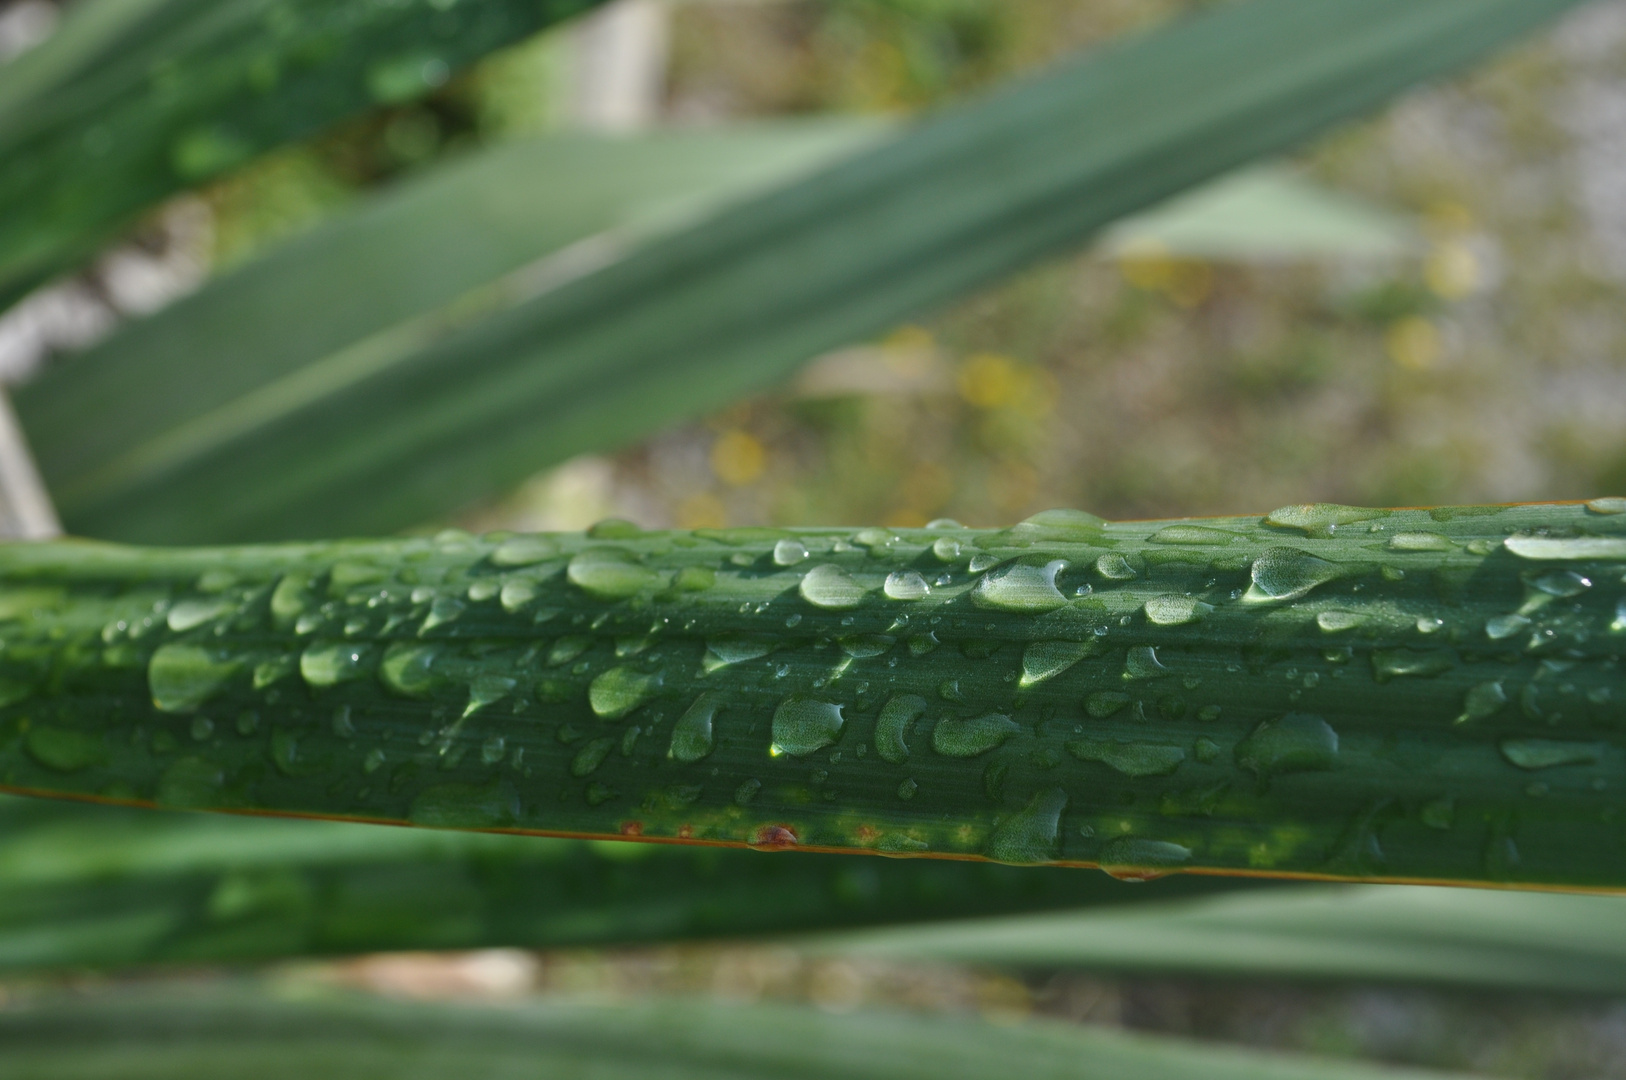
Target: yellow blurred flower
column 988, row 380
column 702, row 511
column 1413, row 343
column 1452, row 271
column 738, row 458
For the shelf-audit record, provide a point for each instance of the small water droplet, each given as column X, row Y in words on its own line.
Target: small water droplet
column 946, row 549
column 328, row 663
column 907, row 789
column 493, row 750
column 1562, row 583
column 1501, row 627
column 1044, row 660
column 188, row 614
column 516, row 594
column 525, row 551
column 1129, row 858
column 877, row 540
column 373, row 761
column 866, row 646
column 1142, row 663
column 1336, row 622
column 1427, row 624
column 1419, row 541
column 1486, row 699
column 1198, row 535
column 830, row 587
column 726, row 649
column 1114, row 567
column 445, row 609
column 1321, row 519
column 1409, row 663
column 591, row 756
column 487, row 690
column 1105, row 703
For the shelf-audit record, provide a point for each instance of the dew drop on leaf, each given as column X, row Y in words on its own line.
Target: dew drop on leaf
column 1029, row 836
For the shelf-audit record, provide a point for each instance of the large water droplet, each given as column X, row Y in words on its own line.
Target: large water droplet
column 906, row 585
column 1175, row 610
column 183, row 677
column 892, row 727
column 1408, row 663
column 617, row 692
column 1550, row 753
column 967, row 737
column 1199, row 535
column 1029, row 836
column 1336, row 622
column 726, row 649
column 1126, row 855
column 1130, row 758
column 1580, row 547
column 1074, row 526
column 591, row 756
column 1297, row 742
column 1021, row 587
column 1611, row 505
column 486, row 690
column 516, row 594
column 1114, row 567
column 802, row 725
column 1321, row 519
column 405, row 669
column 692, row 737
column 525, row 551
column 1046, row 659
column 610, row 574
column 1142, row 663
column 1284, row 573
column 1483, row 700
column 328, row 663
column 830, row 587
column 192, row 613
column 946, row 549
column 789, row 552
column 289, row 598
column 1562, row 583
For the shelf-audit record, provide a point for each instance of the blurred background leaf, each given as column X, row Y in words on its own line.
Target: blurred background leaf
column 699, row 318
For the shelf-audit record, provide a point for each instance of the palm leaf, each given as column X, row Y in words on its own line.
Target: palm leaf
column 462, row 408
column 242, row 1033
column 131, row 102
column 1329, row 691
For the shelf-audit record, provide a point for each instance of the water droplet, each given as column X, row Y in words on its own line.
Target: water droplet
column 493, row 750
column 1199, row 535
column 1142, row 663
column 1114, row 567
column 1549, row 753
column 967, row 737
column 267, row 672
column 789, row 552
column 191, row 783
column 1427, row 624
column 830, row 587
column 516, row 594
column 445, row 609
column 617, row 692
column 729, row 649
column 1176, row 610
column 1284, row 573
column 1619, row 623
column 1562, row 583
column 1419, row 541
column 946, row 549
column 802, row 725
column 906, row 585
column 1297, row 742
column 692, row 737
column 405, row 669
column 466, row 806
column 1021, row 587
column 1105, row 703
column 64, row 749
column 877, row 540
column 1336, row 622
column 1481, row 701
column 1029, row 836
column 610, row 574
column 906, row 791
column 487, row 690
column 1409, row 663
column 1612, row 505
column 591, row 756
column 746, row 792
column 193, row 613
column 897, row 716
column 983, row 561
column 328, row 663
column 1126, row 855
column 524, row 551
column 1321, row 519
column 567, row 649
column 1580, row 547
column 373, row 761
column 867, row 646
column 1046, row 659
column 1130, row 758
column 1501, row 627
column 183, row 677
